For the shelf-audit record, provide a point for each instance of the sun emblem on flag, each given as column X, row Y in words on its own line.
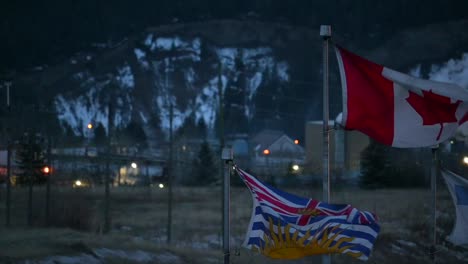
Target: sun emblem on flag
column 283, row 245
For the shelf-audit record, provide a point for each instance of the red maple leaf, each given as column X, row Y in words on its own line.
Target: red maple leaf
column 434, row 109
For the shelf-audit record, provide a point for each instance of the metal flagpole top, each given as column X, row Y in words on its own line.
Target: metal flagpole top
column 325, row 31
column 227, row 154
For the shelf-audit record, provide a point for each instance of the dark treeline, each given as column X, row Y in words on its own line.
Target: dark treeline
column 43, row 32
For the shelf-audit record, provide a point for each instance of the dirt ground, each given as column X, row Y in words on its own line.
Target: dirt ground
column 139, row 220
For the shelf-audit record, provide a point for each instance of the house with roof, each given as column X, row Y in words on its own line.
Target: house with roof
column 273, row 152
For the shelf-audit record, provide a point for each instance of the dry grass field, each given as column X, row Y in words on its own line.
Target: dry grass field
column 139, row 224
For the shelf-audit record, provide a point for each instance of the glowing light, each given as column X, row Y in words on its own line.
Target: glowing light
column 295, row 167
column 134, row 165
column 46, row 169
column 465, row 160
column 90, row 126
column 296, row 141
column 266, row 152
column 161, row 185
column 78, row 183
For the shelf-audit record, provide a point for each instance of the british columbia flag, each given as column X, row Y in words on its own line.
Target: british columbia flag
column 286, row 226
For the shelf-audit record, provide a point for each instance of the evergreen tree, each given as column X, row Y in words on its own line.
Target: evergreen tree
column 201, row 128
column 383, row 166
column 134, row 133
column 30, row 158
column 373, row 165
column 204, row 168
column 100, row 135
column 235, row 99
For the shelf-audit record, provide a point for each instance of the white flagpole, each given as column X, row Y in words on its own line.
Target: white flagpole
column 325, row 33
column 434, row 171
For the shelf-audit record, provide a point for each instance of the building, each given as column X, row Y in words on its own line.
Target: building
column 345, row 150
column 273, row 153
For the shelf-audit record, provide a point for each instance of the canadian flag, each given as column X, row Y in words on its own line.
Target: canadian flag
column 397, row 109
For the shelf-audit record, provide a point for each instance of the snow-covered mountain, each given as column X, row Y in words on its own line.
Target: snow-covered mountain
column 154, row 71
column 270, row 76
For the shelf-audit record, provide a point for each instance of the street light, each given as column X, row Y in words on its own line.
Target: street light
column 134, row 165
column 90, row 126
column 46, row 169
column 266, row 152
column 465, row 160
column 295, row 167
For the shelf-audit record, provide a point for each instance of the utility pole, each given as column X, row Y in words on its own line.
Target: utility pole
column 110, row 124
column 435, row 167
column 30, row 189
column 9, row 147
column 221, row 140
column 8, row 185
column 170, row 175
column 49, row 175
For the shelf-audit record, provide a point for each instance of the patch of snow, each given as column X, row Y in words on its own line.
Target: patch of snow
column 79, row 76
column 207, row 103
column 406, row 243
column 251, row 53
column 149, row 40
column 83, row 258
column 189, row 77
column 282, row 71
column 141, row 57
column 178, row 118
column 167, row 257
column 138, row 255
column 398, row 250
column 227, row 57
column 416, row 71
column 453, row 71
column 143, row 118
column 196, row 46
column 253, row 84
column 87, row 108
column 125, row 77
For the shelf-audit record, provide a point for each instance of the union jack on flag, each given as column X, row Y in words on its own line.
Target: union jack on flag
column 286, row 226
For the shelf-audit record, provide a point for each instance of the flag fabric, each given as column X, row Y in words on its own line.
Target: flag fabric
column 458, row 188
column 397, row 109
column 286, row 226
